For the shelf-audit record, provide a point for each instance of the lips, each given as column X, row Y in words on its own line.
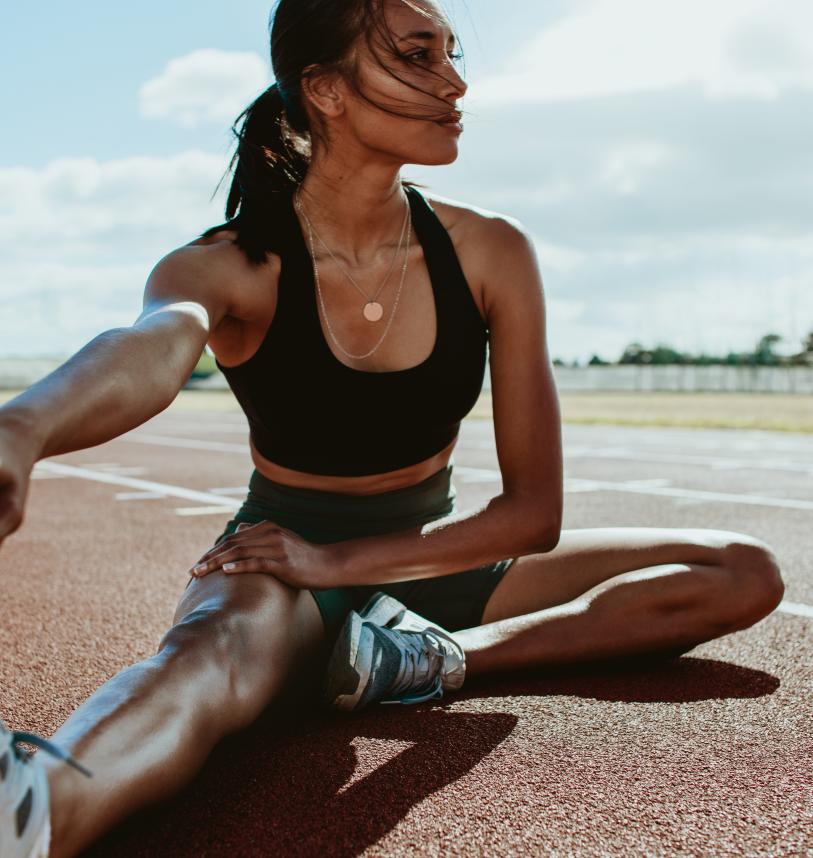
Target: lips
column 452, row 122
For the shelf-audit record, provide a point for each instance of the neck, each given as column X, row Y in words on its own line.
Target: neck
column 358, row 214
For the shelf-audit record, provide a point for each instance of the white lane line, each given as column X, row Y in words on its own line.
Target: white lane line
column 478, row 475
column 698, row 494
column 650, row 487
column 717, row 463
column 116, row 468
column 203, row 510
column 796, row 608
column 230, row 490
column 189, row 443
column 203, row 426
column 143, row 485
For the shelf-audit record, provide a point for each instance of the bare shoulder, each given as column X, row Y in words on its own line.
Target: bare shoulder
column 486, row 242
column 227, row 269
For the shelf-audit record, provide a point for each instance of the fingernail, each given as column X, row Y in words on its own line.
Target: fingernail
column 228, row 566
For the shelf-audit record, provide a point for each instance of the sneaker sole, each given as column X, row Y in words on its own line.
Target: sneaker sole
column 42, row 844
column 343, row 683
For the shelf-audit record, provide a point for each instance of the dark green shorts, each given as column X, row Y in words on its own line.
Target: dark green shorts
column 454, row 601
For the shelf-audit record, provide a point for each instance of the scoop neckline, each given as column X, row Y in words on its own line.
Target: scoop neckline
column 312, row 301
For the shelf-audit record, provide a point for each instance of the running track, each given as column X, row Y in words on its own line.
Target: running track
column 711, row 755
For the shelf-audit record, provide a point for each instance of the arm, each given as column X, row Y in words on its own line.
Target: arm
column 526, row 516
column 120, row 379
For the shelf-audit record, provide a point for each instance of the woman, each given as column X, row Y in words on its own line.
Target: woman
column 350, row 313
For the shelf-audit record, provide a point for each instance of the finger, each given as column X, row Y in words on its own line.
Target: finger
column 252, row 564
column 233, row 538
column 257, row 547
column 228, row 542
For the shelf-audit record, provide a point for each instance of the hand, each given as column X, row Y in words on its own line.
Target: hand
column 273, row 549
column 16, row 464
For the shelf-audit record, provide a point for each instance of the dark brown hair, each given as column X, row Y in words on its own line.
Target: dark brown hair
column 275, row 139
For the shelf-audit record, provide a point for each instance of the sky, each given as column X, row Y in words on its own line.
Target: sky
column 658, row 152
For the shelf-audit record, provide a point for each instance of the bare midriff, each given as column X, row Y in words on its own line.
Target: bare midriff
column 367, row 484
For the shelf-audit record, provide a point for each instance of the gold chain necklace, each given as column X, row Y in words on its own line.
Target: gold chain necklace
column 372, row 309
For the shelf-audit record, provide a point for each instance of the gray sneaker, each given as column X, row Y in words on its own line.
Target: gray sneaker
column 389, row 654
column 25, row 823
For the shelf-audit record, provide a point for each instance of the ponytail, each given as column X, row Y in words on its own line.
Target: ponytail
column 267, row 164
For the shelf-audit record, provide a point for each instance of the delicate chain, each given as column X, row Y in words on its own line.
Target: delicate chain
column 322, row 302
column 338, row 264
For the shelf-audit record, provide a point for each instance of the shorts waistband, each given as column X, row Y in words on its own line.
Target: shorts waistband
column 432, row 497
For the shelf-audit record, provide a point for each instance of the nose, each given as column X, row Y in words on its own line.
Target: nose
column 457, row 87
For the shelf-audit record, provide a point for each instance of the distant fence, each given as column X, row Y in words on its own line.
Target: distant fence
column 16, row 374
column 687, row 378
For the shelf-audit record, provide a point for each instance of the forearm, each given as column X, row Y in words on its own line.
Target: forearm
column 110, row 386
column 505, row 527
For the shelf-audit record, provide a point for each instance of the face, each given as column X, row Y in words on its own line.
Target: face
column 426, row 59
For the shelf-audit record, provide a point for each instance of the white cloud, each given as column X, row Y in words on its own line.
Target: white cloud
column 745, row 48
column 74, row 206
column 206, row 85
column 78, row 238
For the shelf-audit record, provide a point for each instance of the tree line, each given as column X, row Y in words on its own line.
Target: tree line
column 762, row 355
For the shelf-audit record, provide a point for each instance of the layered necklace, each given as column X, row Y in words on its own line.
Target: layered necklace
column 372, row 310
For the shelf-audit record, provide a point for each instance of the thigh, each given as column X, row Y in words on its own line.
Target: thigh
column 586, row 558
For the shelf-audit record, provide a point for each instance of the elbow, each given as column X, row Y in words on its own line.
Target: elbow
column 548, row 539
column 547, row 536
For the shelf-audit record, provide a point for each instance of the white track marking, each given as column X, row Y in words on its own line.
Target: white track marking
column 699, row 494
column 721, row 463
column 115, row 468
column 650, row 487
column 230, row 490
column 478, row 475
column 796, row 608
column 204, row 510
column 203, row 426
column 189, row 443
column 143, row 485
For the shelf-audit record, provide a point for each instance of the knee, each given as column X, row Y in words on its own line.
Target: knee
column 755, row 577
column 228, row 632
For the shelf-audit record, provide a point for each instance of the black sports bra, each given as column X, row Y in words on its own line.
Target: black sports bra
column 310, row 412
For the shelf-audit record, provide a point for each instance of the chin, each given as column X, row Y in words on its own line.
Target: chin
column 435, row 158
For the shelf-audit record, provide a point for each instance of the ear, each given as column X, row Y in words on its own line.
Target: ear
column 323, row 89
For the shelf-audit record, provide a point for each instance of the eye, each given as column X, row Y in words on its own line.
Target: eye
column 423, row 53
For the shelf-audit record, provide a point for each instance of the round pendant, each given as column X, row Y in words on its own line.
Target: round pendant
column 373, row 311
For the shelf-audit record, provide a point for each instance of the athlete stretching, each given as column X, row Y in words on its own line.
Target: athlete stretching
column 350, row 313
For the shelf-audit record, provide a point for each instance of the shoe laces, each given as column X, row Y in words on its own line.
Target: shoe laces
column 422, row 660
column 46, row 745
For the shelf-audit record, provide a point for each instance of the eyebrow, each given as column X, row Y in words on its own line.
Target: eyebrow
column 424, row 35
